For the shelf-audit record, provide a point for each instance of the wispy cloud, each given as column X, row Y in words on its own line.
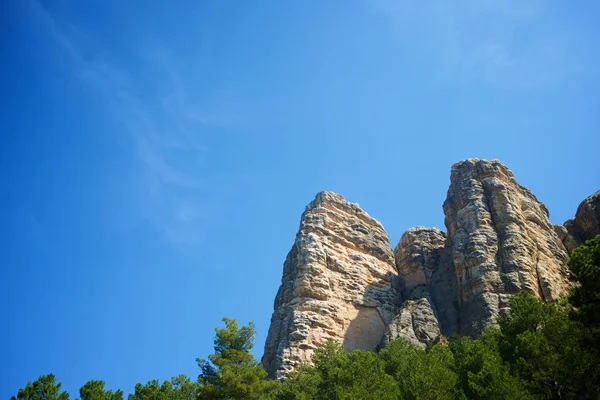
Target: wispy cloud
column 164, row 128
column 223, row 112
column 502, row 43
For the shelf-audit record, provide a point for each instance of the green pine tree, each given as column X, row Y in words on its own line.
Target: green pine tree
column 421, row 374
column 179, row 388
column 44, row 388
column 231, row 372
column 94, row 390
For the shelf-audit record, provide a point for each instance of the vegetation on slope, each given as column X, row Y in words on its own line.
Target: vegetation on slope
column 539, row 351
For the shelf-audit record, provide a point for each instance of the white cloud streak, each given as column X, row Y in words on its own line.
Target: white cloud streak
column 170, row 133
column 509, row 44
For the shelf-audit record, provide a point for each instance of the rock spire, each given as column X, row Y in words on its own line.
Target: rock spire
column 339, row 282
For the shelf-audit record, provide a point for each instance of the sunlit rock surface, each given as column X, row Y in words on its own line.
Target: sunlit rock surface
column 339, row 282
column 342, row 281
column 501, row 242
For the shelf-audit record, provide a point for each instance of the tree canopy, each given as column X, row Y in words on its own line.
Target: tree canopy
column 538, row 351
column 231, row 372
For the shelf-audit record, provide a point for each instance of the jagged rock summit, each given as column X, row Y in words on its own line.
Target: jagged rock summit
column 342, row 281
column 339, row 282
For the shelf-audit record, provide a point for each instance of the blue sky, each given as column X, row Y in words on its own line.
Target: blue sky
column 156, row 159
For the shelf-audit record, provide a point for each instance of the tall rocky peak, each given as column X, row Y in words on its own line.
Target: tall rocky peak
column 338, row 282
column 500, row 241
column 342, row 281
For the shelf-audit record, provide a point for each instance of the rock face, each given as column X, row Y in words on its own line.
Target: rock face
column 586, row 223
column 501, row 242
column 338, row 282
column 566, row 238
column 416, row 322
column 418, row 254
column 342, row 281
column 428, row 288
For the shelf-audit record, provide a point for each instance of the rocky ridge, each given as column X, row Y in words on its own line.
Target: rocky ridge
column 339, row 282
column 342, row 281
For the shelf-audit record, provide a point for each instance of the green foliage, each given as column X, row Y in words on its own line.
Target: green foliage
column 232, row 372
column 44, row 388
column 585, row 269
column 337, row 375
column 302, row 384
column 179, row 388
column 94, row 390
column 358, row 375
column 585, row 297
column 539, row 351
column 482, row 373
column 420, row 374
column 541, row 344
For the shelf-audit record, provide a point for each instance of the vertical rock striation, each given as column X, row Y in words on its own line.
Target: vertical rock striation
column 501, row 242
column 338, row 282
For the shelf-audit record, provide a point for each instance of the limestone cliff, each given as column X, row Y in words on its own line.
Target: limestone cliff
column 338, row 282
column 501, row 242
column 342, row 281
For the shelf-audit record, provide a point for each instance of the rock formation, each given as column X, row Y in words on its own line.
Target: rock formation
column 428, row 288
column 415, row 322
column 586, row 223
column 342, row 281
column 501, row 242
column 338, row 282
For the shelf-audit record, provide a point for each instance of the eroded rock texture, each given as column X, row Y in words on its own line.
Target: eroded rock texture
column 428, row 288
column 338, row 282
column 416, row 322
column 586, row 224
column 501, row 242
column 566, row 238
column 418, row 254
column 425, row 269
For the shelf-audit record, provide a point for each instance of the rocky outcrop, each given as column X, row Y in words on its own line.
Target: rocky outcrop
column 338, row 283
column 416, row 323
column 566, row 238
column 341, row 280
column 426, row 272
column 418, row 254
column 586, row 223
column 501, row 242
